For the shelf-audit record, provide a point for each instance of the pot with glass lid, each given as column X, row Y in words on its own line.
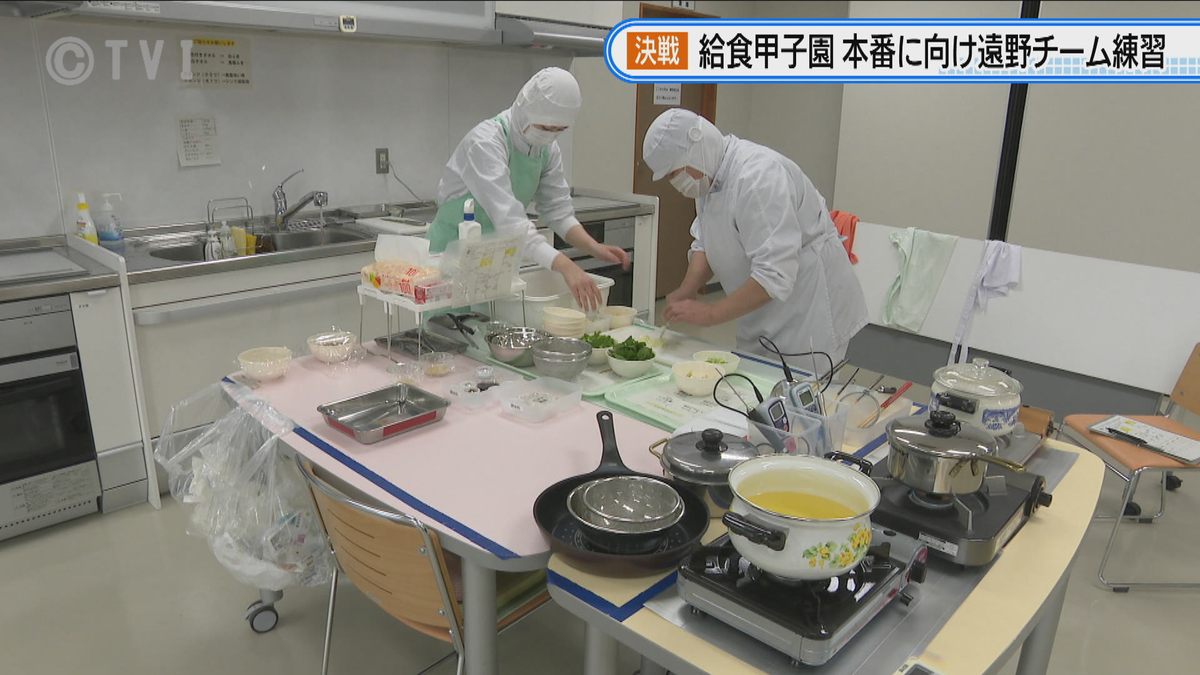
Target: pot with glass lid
column 987, row 398
column 701, row 461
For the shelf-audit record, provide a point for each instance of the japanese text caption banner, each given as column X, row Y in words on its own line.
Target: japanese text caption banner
column 897, row 50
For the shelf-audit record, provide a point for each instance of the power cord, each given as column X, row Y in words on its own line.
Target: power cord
column 392, row 169
column 770, row 346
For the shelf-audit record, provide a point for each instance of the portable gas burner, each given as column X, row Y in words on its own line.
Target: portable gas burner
column 807, row 620
column 969, row 529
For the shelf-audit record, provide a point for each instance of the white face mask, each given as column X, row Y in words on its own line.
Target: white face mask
column 690, row 187
column 539, row 137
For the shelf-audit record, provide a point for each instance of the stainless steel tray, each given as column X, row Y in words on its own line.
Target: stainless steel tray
column 406, row 343
column 379, row 414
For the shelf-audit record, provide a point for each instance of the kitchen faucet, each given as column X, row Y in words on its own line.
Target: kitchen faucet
column 283, row 213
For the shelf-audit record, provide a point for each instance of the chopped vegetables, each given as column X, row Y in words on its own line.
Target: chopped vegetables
column 632, row 350
column 599, row 340
column 717, row 360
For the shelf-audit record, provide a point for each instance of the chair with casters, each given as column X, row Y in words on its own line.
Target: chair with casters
column 1129, row 462
column 399, row 563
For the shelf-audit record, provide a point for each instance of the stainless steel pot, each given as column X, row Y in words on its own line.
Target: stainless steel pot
column 701, row 461
column 939, row 455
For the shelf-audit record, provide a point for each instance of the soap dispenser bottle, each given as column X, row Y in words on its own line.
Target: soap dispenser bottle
column 109, row 228
column 84, row 227
column 469, row 228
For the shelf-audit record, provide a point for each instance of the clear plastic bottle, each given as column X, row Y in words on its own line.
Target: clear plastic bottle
column 109, row 228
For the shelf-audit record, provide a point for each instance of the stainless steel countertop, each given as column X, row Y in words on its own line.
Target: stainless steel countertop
column 97, row 276
column 145, row 268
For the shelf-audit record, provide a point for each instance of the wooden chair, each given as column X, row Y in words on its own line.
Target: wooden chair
column 399, row 564
column 1130, row 461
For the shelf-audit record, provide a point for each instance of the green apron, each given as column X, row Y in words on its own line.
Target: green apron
column 524, row 172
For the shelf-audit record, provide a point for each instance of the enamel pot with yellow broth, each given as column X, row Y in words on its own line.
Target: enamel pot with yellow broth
column 802, row 517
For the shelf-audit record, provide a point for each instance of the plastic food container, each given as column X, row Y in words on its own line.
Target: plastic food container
column 540, row 399
column 332, row 346
column 407, row 373
column 265, row 363
column 544, row 288
column 619, row 317
column 470, row 396
column 437, row 364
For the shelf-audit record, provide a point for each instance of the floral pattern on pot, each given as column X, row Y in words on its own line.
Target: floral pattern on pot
column 997, row 420
column 833, row 555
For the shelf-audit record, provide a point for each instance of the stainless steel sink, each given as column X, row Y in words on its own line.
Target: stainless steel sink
column 193, row 250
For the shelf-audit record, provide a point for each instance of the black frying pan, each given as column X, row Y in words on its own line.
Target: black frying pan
column 565, row 536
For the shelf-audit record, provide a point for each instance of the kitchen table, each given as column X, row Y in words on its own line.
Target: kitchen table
column 1015, row 605
column 473, row 476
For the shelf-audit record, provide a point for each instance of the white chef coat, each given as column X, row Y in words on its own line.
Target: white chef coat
column 479, row 166
column 764, row 220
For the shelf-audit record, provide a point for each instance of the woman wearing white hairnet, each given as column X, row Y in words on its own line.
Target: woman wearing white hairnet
column 764, row 231
column 512, row 159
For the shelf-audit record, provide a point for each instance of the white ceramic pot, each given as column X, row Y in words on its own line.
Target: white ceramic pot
column 979, row 395
column 801, row 548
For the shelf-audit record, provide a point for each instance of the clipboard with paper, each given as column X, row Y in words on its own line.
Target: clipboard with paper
column 1173, row 445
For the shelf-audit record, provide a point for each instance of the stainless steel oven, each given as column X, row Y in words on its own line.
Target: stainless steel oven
column 48, row 471
column 618, row 232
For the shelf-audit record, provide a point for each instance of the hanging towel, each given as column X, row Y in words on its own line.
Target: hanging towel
column 924, row 257
column 999, row 271
column 846, row 223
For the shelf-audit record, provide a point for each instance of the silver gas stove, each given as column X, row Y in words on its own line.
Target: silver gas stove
column 810, row 621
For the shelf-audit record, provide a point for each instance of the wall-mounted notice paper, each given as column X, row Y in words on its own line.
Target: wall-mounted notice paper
column 198, row 141
column 668, row 93
column 217, row 64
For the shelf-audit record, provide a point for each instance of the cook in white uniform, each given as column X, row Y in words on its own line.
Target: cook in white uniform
column 764, row 231
column 512, row 159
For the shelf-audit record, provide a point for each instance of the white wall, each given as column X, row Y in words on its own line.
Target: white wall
column 922, row 155
column 590, row 13
column 322, row 103
column 28, row 194
column 1109, row 170
column 801, row 120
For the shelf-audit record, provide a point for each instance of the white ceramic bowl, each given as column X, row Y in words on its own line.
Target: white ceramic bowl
column 727, row 360
column 629, row 369
column 265, row 363
column 619, row 316
column 697, row 378
column 599, row 357
column 332, row 346
column 600, row 324
column 563, row 315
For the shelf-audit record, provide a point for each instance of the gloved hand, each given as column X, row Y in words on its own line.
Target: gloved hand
column 690, row 311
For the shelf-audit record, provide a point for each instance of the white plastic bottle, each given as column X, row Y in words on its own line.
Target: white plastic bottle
column 469, row 228
column 109, row 228
column 225, row 235
column 84, row 226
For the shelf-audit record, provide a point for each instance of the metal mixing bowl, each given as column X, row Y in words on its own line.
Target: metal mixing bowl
column 512, row 346
column 626, row 505
column 564, row 358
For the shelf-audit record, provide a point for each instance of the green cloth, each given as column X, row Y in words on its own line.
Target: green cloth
column 924, row 257
column 524, row 173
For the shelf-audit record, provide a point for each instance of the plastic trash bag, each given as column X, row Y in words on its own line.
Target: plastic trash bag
column 225, row 463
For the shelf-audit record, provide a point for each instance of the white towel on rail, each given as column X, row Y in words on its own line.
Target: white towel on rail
column 998, row 272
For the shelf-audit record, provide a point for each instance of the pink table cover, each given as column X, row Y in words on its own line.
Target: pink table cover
column 474, row 475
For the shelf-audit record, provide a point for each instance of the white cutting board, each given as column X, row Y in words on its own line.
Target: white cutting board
column 33, row 265
column 394, row 226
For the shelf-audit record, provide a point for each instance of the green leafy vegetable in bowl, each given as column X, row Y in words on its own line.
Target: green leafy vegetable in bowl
column 632, row 350
column 598, row 340
column 718, row 361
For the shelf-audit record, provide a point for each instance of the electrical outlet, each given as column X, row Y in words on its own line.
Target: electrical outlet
column 684, row 4
column 382, row 163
